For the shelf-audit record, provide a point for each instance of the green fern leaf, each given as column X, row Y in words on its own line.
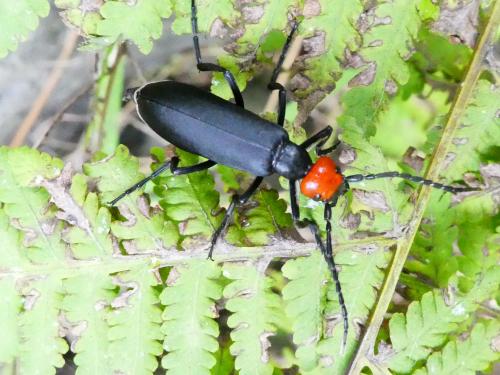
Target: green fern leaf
column 27, row 206
column 329, row 27
column 425, row 326
column 190, row 200
column 480, row 130
column 385, row 45
column 208, row 12
column 388, row 207
column 134, row 323
column 189, row 326
column 140, row 22
column 361, row 275
column 18, row 18
column 305, row 296
column 142, row 231
column 42, row 299
column 89, row 237
column 86, row 304
column 428, row 322
column 254, row 317
column 433, row 247
column 466, row 357
column 256, row 225
column 11, row 257
column 9, row 310
column 261, row 19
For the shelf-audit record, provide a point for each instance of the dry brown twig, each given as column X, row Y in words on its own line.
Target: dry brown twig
column 44, row 95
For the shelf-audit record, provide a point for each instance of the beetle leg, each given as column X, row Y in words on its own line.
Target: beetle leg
column 293, row 200
column 325, row 250
column 321, row 137
column 273, row 85
column 328, row 255
column 236, row 200
column 172, row 165
column 209, row 67
column 141, row 183
column 192, row 168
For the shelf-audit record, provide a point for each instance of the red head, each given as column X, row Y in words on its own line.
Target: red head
column 322, row 181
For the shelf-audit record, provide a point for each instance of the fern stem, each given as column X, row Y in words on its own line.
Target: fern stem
column 164, row 258
column 366, row 347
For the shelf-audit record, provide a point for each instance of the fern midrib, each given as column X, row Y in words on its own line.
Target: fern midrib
column 162, row 258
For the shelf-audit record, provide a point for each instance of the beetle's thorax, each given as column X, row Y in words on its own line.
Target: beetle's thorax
column 291, row 161
column 322, row 181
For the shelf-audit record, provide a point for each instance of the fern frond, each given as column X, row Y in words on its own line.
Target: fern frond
column 254, row 226
column 388, row 206
column 189, row 325
column 329, row 28
column 466, row 357
column 433, row 247
column 18, row 19
column 134, row 323
column 140, row 21
column 10, row 307
column 428, row 322
column 142, row 230
column 479, row 131
column 254, row 316
column 385, row 46
column 305, row 297
column 361, row 276
column 259, row 20
column 38, row 328
column 89, row 233
column 86, row 304
column 189, row 200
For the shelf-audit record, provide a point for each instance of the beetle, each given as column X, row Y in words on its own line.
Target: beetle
column 226, row 133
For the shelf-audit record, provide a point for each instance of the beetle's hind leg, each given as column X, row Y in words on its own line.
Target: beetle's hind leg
column 172, row 165
column 235, row 201
column 209, row 67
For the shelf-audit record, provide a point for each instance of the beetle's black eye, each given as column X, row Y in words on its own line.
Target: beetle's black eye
column 317, row 197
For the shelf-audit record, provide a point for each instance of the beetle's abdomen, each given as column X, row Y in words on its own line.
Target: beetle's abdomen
column 204, row 124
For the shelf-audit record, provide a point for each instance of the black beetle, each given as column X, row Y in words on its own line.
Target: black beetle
column 226, row 133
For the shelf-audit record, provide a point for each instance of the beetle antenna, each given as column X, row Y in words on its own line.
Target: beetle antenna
column 409, row 177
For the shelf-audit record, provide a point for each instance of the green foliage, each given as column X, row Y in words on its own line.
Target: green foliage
column 190, row 200
column 468, row 356
column 189, row 325
column 117, row 283
column 479, row 131
column 253, row 227
column 140, row 22
column 428, row 322
column 255, row 314
column 18, row 18
column 305, row 297
column 329, row 28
